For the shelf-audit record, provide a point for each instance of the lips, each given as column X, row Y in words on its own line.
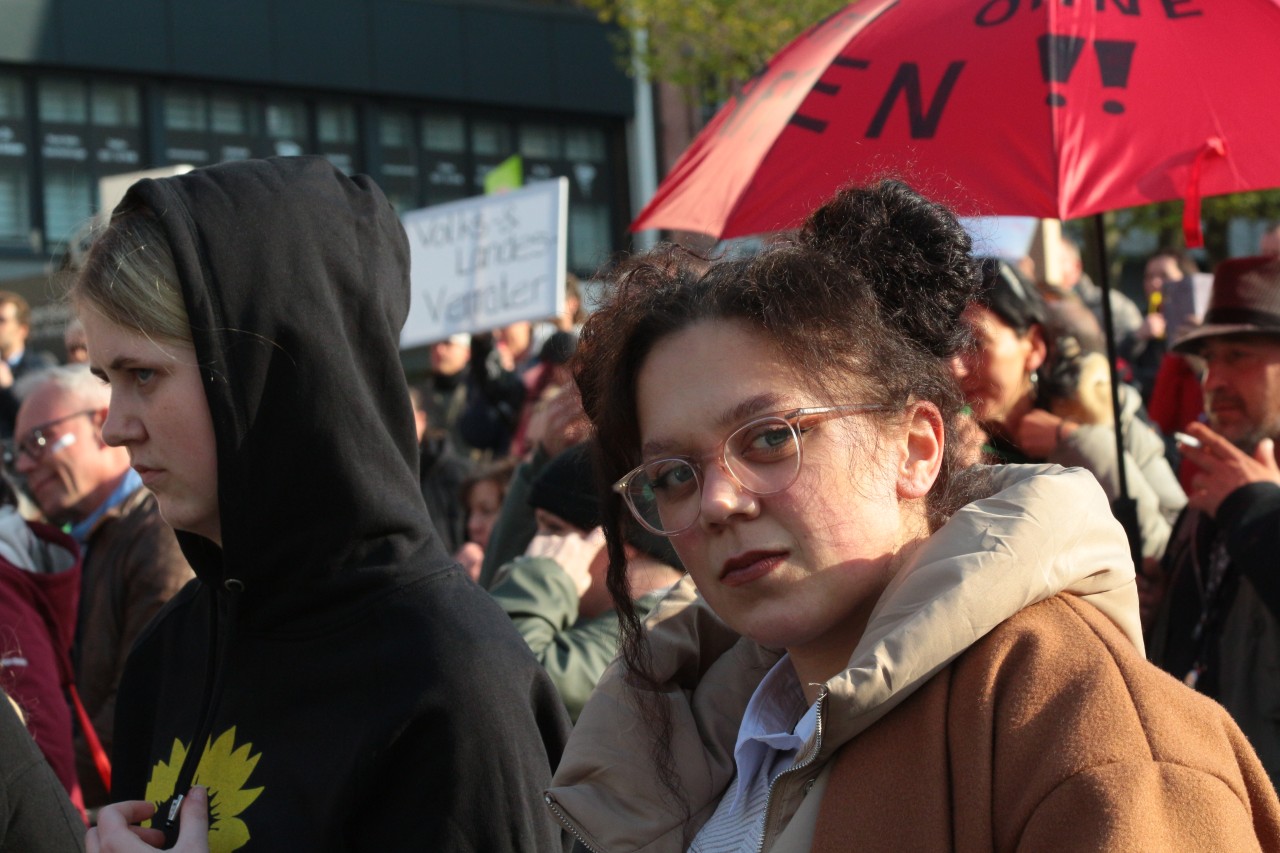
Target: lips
column 148, row 475
column 750, row 566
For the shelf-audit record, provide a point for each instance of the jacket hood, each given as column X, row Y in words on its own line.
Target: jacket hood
column 295, row 279
column 1043, row 530
column 41, row 564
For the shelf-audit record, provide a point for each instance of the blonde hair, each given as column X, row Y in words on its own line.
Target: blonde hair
column 130, row 278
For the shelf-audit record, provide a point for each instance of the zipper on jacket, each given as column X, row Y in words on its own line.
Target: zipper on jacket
column 817, row 750
column 166, row 819
column 566, row 822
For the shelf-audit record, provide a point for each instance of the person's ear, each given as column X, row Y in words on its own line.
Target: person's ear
column 922, row 451
column 1039, row 349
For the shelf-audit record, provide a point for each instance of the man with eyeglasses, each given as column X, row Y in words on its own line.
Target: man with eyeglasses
column 132, row 563
column 16, row 361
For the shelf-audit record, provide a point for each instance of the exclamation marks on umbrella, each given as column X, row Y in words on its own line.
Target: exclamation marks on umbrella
column 1058, row 58
column 1114, row 58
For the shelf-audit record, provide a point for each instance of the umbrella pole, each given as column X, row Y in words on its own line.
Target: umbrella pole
column 1124, row 507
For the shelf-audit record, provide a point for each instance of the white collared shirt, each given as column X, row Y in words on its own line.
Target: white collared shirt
column 775, row 727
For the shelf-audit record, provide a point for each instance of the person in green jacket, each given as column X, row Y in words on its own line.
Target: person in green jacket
column 555, row 593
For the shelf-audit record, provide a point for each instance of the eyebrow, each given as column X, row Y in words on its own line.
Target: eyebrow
column 731, row 416
column 121, row 362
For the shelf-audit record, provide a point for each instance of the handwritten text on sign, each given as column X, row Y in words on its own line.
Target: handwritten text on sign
column 485, row 262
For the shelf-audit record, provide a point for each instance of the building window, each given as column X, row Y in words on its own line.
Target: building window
column 15, row 204
column 236, row 126
column 445, row 163
column 68, row 191
column 589, row 241
column 287, row 128
column 446, row 134
column 231, row 115
column 115, row 105
column 585, row 143
column 11, row 106
column 399, row 178
column 540, row 141
column 185, row 111
column 116, row 134
column 68, row 202
column 491, row 139
column 15, row 188
column 337, row 135
column 63, row 102
column 186, row 126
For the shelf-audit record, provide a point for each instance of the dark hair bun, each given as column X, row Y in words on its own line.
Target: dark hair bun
column 913, row 252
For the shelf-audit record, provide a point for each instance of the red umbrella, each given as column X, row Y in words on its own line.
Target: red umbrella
column 1051, row 108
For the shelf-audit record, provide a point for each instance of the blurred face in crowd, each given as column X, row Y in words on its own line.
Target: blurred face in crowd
column 1242, row 388
column 996, row 375
column 13, row 334
column 484, row 502
column 1160, row 270
column 159, row 413
column 1071, row 267
column 70, row 470
column 76, row 343
column 449, row 358
column 516, row 338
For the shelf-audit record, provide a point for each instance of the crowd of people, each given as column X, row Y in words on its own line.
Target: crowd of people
column 815, row 549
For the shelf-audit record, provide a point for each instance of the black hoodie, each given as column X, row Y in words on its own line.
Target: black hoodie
column 349, row 687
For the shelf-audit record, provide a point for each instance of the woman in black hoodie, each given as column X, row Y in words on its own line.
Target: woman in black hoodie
column 330, row 677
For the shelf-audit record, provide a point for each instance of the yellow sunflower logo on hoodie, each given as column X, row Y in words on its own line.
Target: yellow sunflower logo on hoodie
column 225, row 770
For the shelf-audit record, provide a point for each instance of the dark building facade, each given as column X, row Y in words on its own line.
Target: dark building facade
column 426, row 97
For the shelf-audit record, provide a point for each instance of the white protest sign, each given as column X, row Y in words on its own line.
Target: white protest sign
column 485, row 262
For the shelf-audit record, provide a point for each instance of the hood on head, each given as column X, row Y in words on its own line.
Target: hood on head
column 295, row 279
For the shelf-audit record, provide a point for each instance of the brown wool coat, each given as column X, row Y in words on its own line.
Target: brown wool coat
column 1139, row 761
column 132, row 566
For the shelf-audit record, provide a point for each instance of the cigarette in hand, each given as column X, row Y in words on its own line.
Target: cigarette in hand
column 1187, row 440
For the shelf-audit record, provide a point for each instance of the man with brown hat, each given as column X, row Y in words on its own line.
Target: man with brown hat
column 1218, row 627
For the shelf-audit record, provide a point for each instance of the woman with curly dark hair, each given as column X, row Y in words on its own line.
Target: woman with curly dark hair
column 875, row 647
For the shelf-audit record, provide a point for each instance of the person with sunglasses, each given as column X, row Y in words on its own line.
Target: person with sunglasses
column 876, row 647
column 132, row 562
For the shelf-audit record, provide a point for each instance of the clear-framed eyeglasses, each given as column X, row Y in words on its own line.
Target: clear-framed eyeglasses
column 761, row 456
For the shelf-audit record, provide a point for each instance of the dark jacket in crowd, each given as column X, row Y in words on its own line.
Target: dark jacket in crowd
column 1236, row 653
column 35, row 814
column 340, row 682
column 443, row 472
column 132, row 566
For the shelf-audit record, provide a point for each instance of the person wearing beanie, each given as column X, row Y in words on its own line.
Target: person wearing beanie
column 555, row 593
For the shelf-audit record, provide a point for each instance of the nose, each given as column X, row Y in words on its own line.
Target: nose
column 723, row 497
column 119, row 429
column 1213, row 377
column 959, row 367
